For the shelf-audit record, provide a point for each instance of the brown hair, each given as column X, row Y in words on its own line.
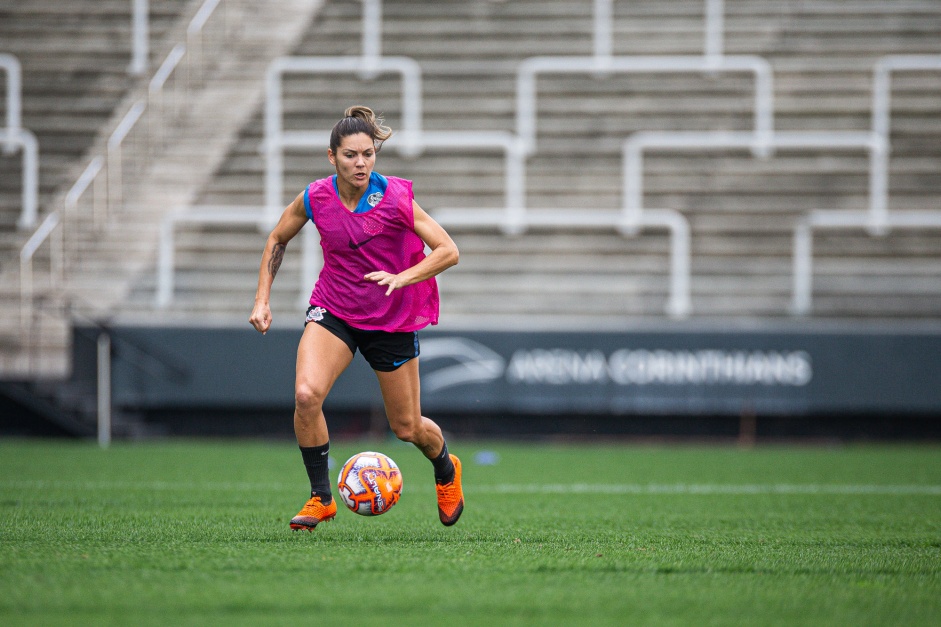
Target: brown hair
column 360, row 119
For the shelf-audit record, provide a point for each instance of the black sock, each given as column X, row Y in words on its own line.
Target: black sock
column 316, row 461
column 444, row 467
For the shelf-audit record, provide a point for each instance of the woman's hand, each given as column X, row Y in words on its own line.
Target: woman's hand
column 261, row 317
column 394, row 281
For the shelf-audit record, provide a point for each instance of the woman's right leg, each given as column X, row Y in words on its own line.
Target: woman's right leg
column 321, row 358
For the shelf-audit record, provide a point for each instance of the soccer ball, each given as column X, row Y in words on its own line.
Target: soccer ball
column 370, row 483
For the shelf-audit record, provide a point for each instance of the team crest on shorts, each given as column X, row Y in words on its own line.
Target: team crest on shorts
column 316, row 314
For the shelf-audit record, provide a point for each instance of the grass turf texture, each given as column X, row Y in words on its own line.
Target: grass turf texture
column 197, row 533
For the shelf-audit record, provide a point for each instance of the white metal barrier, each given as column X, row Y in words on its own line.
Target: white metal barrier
column 50, row 226
column 802, row 259
column 636, row 144
column 604, row 62
column 530, row 69
column 14, row 136
column 635, row 216
column 603, row 24
column 881, row 116
column 227, row 215
column 878, row 221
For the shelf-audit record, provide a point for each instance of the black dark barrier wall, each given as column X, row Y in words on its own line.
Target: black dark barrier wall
column 675, row 372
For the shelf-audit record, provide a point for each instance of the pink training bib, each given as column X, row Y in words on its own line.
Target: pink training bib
column 355, row 244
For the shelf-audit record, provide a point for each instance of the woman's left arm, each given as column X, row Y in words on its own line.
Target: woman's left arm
column 443, row 255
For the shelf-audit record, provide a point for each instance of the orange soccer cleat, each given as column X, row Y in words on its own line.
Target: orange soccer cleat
column 313, row 513
column 451, row 496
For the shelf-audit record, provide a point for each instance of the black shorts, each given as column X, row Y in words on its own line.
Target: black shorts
column 384, row 350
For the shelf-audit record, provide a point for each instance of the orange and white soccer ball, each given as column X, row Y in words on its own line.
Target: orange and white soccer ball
column 370, row 483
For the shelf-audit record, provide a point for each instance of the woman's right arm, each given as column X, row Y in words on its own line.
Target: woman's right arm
column 292, row 221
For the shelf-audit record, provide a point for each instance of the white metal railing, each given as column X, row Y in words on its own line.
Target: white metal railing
column 603, row 25
column 604, row 62
column 166, row 69
column 209, row 214
column 531, row 68
column 802, row 259
column 878, row 221
column 881, row 108
column 635, row 216
column 635, row 146
column 107, row 194
column 14, row 136
column 51, row 226
column 882, row 84
column 203, row 215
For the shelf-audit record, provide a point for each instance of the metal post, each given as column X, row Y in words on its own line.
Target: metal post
column 165, row 264
column 104, row 390
column 715, row 29
column 30, row 177
column 140, row 36
column 372, row 36
column 802, row 268
column 602, row 28
column 115, row 166
column 14, row 99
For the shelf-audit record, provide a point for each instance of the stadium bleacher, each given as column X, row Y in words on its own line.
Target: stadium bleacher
column 742, row 210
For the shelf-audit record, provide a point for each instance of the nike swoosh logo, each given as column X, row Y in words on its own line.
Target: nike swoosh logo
column 399, row 363
column 356, row 245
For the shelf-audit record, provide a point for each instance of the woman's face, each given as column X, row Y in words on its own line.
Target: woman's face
column 354, row 160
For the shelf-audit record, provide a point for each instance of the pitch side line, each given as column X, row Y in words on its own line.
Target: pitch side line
column 693, row 489
column 510, row 488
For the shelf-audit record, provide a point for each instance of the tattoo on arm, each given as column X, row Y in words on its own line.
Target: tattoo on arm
column 277, row 256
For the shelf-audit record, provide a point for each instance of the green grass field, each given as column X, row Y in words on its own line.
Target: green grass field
column 196, row 533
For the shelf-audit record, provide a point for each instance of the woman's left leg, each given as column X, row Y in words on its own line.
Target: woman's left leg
column 401, row 393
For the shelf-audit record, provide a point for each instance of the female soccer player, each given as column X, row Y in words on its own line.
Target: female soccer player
column 375, row 291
